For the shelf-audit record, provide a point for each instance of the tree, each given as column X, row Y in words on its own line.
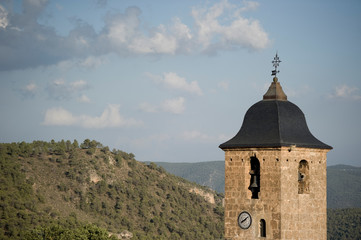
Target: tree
column 68, row 145
column 75, row 144
column 85, row 144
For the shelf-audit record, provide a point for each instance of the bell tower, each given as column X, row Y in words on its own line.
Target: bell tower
column 275, row 173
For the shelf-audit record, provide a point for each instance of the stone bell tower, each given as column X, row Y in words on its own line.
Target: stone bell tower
column 275, row 173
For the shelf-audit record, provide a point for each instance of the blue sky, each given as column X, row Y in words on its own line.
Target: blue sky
column 171, row 80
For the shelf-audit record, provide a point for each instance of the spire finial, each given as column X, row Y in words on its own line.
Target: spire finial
column 275, row 91
column 276, row 62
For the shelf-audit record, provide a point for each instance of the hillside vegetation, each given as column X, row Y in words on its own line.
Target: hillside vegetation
column 60, row 190
column 344, row 224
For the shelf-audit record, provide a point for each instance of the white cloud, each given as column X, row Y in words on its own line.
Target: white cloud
column 3, row 18
column 124, row 34
column 28, row 43
column 222, row 27
column 173, row 81
column 110, row 118
column 215, row 28
column 159, row 42
column 176, row 105
column 346, row 92
column 121, row 28
column 180, row 30
column 59, row 117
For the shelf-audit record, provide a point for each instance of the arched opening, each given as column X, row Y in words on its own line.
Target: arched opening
column 262, row 228
column 254, row 185
column 303, row 177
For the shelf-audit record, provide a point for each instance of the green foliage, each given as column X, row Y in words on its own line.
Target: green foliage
column 17, row 199
column 344, row 224
column 75, row 144
column 105, row 150
column 123, row 155
column 58, row 232
column 90, row 144
column 42, row 182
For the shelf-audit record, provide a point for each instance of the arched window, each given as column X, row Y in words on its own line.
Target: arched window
column 303, row 177
column 262, row 228
column 254, row 185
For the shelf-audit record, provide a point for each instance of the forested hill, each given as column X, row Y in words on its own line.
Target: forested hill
column 60, row 190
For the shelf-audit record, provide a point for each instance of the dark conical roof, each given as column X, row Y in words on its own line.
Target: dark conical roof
column 274, row 122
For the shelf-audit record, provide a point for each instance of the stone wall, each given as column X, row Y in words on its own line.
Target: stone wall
column 288, row 214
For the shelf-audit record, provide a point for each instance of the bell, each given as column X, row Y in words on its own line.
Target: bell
column 301, row 177
column 254, row 183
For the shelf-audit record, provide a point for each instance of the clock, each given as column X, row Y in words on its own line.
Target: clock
column 244, row 220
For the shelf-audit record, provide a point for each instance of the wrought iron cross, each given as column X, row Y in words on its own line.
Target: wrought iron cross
column 276, row 62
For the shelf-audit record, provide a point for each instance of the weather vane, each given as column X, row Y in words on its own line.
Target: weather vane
column 276, row 62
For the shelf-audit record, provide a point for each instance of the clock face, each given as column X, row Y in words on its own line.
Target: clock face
column 244, row 220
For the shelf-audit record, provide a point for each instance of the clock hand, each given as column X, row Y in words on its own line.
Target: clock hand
column 244, row 220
